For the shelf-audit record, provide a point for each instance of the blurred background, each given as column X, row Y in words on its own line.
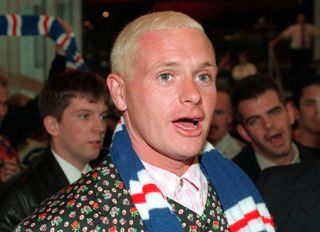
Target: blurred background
column 232, row 25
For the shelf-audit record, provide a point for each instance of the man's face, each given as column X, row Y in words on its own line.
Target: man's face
column 309, row 111
column 80, row 132
column 301, row 18
column 266, row 125
column 3, row 102
column 171, row 95
column 221, row 118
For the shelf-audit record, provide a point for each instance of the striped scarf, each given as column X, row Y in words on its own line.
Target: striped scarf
column 32, row 25
column 243, row 206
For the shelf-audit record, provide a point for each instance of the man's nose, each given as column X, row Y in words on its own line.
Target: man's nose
column 190, row 92
column 267, row 122
column 100, row 125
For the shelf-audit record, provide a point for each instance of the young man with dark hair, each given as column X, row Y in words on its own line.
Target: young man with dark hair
column 264, row 121
column 73, row 106
column 307, row 102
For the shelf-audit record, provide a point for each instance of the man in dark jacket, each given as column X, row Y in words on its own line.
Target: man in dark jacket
column 292, row 194
column 73, row 106
column 22, row 122
column 264, row 121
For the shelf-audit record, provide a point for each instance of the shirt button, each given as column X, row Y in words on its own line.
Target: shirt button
column 181, row 182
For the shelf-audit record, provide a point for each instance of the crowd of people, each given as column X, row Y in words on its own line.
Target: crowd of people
column 197, row 144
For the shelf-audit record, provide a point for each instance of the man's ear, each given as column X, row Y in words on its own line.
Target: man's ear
column 242, row 131
column 116, row 87
column 52, row 125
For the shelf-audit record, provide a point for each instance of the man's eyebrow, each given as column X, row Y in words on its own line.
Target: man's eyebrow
column 245, row 121
column 310, row 100
column 173, row 63
column 208, row 64
column 166, row 64
column 275, row 108
column 82, row 110
column 162, row 64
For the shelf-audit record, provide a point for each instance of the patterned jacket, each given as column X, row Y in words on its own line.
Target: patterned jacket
column 101, row 201
column 97, row 199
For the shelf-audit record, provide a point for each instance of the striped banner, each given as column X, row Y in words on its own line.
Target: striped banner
column 33, row 25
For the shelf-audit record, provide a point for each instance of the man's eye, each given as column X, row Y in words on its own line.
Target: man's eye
column 204, row 77
column 310, row 102
column 276, row 111
column 252, row 121
column 219, row 112
column 165, row 76
column 83, row 116
column 104, row 117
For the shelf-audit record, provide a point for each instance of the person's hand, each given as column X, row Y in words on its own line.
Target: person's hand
column 9, row 168
column 66, row 26
column 68, row 30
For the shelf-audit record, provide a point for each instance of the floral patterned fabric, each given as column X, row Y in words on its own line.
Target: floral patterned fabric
column 212, row 219
column 99, row 202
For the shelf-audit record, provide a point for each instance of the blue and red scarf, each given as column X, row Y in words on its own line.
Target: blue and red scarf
column 242, row 204
column 32, row 25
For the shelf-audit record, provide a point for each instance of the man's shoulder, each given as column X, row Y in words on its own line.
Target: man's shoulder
column 247, row 161
column 300, row 169
column 229, row 146
column 292, row 194
column 236, row 142
column 34, row 184
column 83, row 198
column 299, row 175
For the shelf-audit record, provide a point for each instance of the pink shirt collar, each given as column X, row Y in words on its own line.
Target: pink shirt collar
column 190, row 190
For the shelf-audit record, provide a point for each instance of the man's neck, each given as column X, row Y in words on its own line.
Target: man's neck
column 284, row 159
column 178, row 167
column 77, row 164
column 71, row 172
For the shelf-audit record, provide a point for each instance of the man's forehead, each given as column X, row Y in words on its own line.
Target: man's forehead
column 87, row 99
column 311, row 88
column 266, row 100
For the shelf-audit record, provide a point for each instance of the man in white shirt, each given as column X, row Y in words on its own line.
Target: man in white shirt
column 301, row 35
column 244, row 68
column 73, row 106
column 219, row 134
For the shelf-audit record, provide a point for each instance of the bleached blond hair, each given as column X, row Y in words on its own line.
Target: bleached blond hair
column 126, row 45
